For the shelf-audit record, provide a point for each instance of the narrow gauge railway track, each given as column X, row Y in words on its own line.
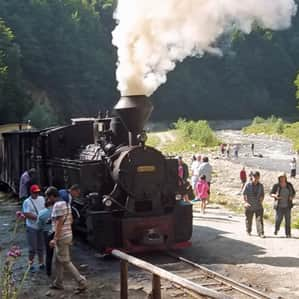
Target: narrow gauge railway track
column 209, row 279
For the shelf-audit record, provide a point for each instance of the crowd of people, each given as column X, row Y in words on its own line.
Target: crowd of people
column 225, row 150
column 49, row 229
column 201, row 175
column 252, row 191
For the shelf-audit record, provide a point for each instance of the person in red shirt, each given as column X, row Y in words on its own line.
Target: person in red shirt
column 243, row 178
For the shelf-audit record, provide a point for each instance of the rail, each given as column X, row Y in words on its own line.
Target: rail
column 158, row 273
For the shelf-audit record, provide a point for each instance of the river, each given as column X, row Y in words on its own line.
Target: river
column 271, row 153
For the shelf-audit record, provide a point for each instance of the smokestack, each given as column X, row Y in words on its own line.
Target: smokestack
column 134, row 111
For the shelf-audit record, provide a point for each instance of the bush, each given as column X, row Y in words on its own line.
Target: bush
column 279, row 126
column 42, row 115
column 272, row 125
column 258, row 120
column 198, row 131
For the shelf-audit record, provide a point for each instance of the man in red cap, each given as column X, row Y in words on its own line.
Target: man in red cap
column 31, row 207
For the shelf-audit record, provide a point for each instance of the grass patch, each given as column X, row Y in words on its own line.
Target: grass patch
column 191, row 136
column 275, row 126
column 227, row 202
column 295, row 224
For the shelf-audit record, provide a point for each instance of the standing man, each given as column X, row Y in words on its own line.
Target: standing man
column 45, row 225
column 252, row 148
column 283, row 192
column 62, row 226
column 227, row 151
column 69, row 194
column 253, row 201
column 205, row 169
column 236, row 149
column 293, row 166
column 26, row 181
column 31, row 207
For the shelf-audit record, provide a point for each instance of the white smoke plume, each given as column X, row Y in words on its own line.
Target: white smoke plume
column 152, row 35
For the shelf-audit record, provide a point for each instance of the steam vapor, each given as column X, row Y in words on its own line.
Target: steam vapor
column 152, row 35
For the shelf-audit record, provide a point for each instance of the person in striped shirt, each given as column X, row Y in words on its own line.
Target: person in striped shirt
column 62, row 226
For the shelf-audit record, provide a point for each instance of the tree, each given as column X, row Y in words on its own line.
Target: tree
column 14, row 103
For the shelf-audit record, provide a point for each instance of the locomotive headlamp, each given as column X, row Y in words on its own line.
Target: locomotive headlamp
column 107, row 201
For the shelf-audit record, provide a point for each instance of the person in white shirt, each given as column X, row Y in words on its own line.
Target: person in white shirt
column 194, row 170
column 31, row 207
column 206, row 169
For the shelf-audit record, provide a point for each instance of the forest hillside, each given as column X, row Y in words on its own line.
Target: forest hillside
column 57, row 61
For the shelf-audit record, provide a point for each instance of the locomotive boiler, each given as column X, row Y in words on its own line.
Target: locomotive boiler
column 130, row 191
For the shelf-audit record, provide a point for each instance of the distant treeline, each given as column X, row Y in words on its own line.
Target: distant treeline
column 57, row 61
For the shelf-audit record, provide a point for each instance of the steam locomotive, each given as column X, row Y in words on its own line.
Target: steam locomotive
column 130, row 191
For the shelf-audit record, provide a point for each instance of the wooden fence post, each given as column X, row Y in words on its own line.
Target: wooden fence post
column 156, row 287
column 123, row 279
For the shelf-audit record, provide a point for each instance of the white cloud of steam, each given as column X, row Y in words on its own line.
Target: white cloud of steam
column 152, row 35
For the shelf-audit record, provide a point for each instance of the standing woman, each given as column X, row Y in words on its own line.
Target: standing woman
column 283, row 192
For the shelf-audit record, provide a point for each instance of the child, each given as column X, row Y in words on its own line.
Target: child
column 202, row 192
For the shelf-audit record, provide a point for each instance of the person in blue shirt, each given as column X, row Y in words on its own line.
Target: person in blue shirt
column 45, row 224
column 67, row 195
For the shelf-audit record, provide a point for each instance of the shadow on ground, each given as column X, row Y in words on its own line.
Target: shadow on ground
column 213, row 247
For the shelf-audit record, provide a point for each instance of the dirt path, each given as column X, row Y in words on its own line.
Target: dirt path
column 271, row 264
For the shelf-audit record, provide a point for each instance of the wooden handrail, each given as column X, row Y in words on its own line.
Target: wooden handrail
column 157, row 274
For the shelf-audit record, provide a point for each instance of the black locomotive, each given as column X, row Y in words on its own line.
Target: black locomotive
column 130, row 191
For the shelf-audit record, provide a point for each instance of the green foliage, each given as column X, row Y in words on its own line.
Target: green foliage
column 14, row 103
column 297, row 85
column 6, row 37
column 63, row 47
column 270, row 126
column 42, row 115
column 295, row 224
column 197, row 131
column 291, row 131
column 66, row 51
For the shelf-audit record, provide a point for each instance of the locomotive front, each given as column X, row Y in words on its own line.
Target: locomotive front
column 141, row 211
